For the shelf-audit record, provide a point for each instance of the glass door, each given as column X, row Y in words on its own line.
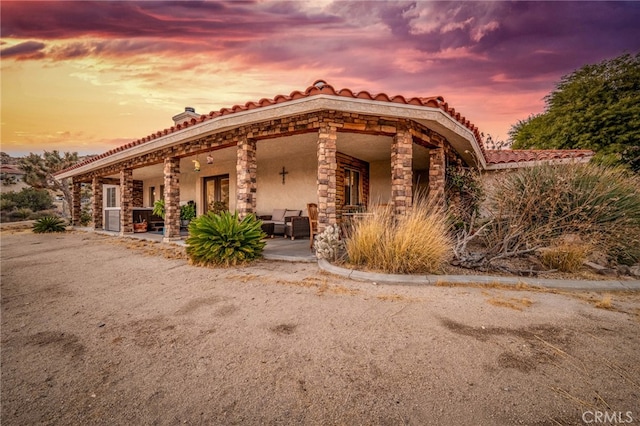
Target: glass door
column 216, row 193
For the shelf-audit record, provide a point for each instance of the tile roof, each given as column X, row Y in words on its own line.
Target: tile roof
column 526, row 155
column 320, row 87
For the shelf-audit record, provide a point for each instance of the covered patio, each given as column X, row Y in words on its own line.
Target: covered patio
column 335, row 148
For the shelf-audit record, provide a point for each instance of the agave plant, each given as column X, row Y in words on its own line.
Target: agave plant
column 224, row 239
column 49, row 224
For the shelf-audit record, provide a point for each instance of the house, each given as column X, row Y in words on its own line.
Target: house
column 336, row 148
column 12, row 178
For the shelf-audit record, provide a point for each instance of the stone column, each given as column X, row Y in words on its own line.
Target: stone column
column 436, row 176
column 97, row 190
column 401, row 171
column 76, row 204
column 246, row 174
column 171, row 199
column 126, row 201
column 327, row 167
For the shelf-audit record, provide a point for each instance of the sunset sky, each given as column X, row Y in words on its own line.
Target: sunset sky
column 90, row 76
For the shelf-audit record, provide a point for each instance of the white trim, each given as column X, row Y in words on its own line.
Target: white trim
column 438, row 119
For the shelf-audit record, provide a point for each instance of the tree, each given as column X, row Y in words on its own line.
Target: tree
column 39, row 171
column 596, row 107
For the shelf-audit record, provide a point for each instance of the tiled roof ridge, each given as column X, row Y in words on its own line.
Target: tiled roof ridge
column 497, row 156
column 319, row 87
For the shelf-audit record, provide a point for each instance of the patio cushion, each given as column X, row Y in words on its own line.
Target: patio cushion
column 278, row 215
column 292, row 213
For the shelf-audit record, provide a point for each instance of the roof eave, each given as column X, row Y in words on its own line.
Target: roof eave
column 458, row 135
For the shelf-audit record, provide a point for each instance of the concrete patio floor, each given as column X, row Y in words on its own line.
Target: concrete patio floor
column 277, row 248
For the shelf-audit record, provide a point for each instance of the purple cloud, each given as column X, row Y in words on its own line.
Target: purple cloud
column 26, row 50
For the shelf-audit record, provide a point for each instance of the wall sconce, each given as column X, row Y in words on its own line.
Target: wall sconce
column 209, row 159
column 196, row 165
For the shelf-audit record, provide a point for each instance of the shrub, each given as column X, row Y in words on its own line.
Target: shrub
column 85, row 216
column 30, row 198
column 534, row 206
column 224, row 239
column 416, row 242
column 565, row 257
column 43, row 213
column 49, row 224
column 188, row 211
column 21, row 214
column 328, row 243
column 7, row 205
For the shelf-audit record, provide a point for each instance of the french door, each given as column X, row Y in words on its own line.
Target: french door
column 216, row 192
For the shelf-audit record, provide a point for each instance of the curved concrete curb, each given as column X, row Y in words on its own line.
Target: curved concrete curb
column 477, row 279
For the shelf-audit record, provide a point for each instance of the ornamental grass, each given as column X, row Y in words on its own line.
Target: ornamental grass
column 413, row 243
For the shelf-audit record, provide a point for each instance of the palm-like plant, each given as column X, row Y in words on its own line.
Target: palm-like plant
column 49, row 224
column 224, row 239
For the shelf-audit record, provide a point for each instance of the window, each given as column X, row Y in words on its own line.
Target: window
column 351, row 187
column 152, row 195
column 155, row 195
column 111, row 197
column 216, row 191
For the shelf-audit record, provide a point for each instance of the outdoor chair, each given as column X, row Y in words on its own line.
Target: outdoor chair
column 312, row 210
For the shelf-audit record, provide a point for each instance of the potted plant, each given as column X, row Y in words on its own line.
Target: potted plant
column 141, row 225
column 187, row 213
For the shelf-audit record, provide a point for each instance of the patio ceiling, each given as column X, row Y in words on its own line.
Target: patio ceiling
column 370, row 148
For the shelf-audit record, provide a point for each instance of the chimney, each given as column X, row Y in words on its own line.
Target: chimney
column 187, row 115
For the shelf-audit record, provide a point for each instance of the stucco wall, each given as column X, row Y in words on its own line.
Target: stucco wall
column 300, row 183
column 380, row 182
column 191, row 183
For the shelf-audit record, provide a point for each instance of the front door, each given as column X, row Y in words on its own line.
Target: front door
column 216, row 193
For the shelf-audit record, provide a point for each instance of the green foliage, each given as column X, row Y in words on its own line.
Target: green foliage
column 224, row 239
column 39, row 171
column 465, row 193
column 29, row 198
column 534, row 206
column 218, row 207
column 85, row 216
column 596, row 107
column 188, row 211
column 49, row 224
column 21, row 214
column 8, row 179
column 158, row 208
column 6, row 205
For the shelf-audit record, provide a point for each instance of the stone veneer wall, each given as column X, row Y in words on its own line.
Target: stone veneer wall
column 401, row 171
column 327, row 164
column 97, row 191
column 138, row 193
column 126, row 199
column 246, row 177
column 171, row 198
column 327, row 124
column 437, row 168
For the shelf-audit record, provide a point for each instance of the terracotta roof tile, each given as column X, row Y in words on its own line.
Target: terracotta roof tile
column 525, row 155
column 321, row 87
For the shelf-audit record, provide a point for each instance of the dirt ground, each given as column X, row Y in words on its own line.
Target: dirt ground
column 101, row 330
